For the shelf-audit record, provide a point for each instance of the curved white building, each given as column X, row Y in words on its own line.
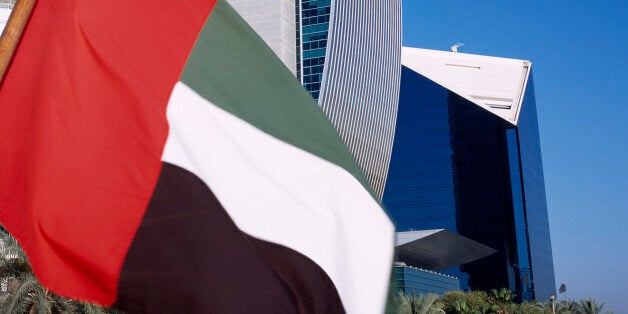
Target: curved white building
column 359, row 90
column 347, row 55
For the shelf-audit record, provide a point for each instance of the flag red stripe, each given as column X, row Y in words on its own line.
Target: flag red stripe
column 82, row 128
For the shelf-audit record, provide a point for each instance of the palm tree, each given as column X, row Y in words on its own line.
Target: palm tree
column 534, row 308
column 13, row 264
column 502, row 296
column 13, row 260
column 415, row 304
column 32, row 297
column 460, row 307
column 403, row 303
column 566, row 307
column 422, row 303
column 502, row 300
column 21, row 292
column 590, row 306
column 87, row 308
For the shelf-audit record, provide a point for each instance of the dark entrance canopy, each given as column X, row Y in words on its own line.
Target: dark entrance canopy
column 437, row 249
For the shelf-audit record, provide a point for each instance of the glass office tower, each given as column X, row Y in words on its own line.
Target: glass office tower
column 466, row 158
column 347, row 56
column 314, row 20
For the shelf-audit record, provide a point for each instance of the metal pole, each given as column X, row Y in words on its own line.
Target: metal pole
column 13, row 32
column 553, row 298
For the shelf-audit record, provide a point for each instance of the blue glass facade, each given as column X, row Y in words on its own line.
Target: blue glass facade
column 457, row 166
column 534, row 196
column 313, row 31
column 415, row 281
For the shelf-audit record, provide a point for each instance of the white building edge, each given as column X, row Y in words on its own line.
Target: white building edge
column 5, row 11
column 495, row 84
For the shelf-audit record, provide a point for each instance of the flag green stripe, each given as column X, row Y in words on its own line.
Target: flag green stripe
column 247, row 80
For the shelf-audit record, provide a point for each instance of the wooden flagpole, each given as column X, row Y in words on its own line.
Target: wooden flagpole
column 13, row 32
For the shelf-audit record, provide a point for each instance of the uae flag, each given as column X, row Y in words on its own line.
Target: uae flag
column 157, row 156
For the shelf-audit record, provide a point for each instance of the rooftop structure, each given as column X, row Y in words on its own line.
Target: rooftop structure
column 418, row 254
column 495, row 84
column 437, row 249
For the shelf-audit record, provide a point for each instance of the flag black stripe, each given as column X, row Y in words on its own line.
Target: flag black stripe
column 189, row 256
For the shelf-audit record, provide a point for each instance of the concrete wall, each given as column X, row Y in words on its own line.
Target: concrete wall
column 274, row 21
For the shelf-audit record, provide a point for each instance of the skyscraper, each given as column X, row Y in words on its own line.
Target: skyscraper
column 467, row 158
column 347, row 55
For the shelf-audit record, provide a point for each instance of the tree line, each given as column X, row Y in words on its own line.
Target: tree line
column 21, row 292
column 482, row 302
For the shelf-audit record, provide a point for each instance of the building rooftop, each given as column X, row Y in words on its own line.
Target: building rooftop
column 495, row 84
column 402, row 264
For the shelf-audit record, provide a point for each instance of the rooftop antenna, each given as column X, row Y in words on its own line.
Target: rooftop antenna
column 454, row 48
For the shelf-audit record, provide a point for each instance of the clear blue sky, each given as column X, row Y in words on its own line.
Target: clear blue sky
column 579, row 53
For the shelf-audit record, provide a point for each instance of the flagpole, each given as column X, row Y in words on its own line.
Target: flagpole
column 13, row 32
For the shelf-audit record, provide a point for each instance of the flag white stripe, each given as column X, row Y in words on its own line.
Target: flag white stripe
column 283, row 194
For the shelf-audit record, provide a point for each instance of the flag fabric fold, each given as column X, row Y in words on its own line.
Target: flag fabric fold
column 157, row 156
